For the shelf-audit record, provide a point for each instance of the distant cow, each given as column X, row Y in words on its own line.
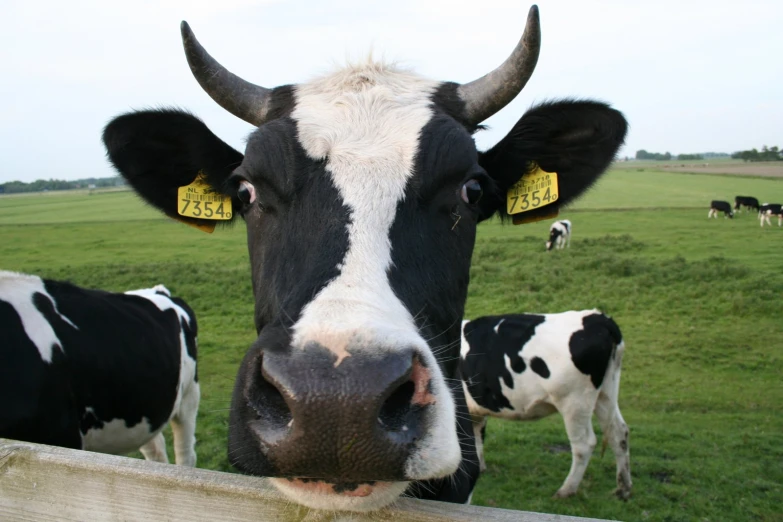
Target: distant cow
column 747, row 202
column 770, row 209
column 98, row 371
column 720, row 206
column 559, row 235
column 525, row 367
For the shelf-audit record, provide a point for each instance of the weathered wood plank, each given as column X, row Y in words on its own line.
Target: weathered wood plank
column 45, row 483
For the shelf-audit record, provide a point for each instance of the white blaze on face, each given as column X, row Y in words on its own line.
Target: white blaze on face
column 18, row 290
column 365, row 121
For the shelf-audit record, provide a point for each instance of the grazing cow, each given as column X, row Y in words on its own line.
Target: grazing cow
column 361, row 191
column 559, row 235
column 720, row 206
column 98, row 371
column 770, row 209
column 525, row 367
column 747, row 202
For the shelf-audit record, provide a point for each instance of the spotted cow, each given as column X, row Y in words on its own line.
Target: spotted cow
column 361, row 190
column 98, row 371
column 720, row 206
column 768, row 210
column 528, row 366
column 748, row 202
column 559, row 235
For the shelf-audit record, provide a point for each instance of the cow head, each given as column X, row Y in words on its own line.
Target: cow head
column 361, row 192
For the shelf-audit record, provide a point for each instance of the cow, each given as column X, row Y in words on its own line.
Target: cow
column 361, row 191
column 559, row 235
column 770, row 209
column 95, row 370
column 747, row 202
column 720, row 206
column 528, row 366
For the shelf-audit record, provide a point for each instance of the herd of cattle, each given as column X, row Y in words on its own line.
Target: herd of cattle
column 106, row 372
column 765, row 210
column 361, row 192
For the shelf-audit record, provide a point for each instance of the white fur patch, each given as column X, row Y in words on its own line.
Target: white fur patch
column 18, row 290
column 163, row 302
column 532, row 396
column 116, row 438
column 376, row 500
column 365, row 121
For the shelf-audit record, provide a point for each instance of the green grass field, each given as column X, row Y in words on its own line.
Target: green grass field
column 698, row 301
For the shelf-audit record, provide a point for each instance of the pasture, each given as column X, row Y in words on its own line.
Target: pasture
column 698, row 301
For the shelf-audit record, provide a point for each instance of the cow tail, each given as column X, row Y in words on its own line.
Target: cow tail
column 611, row 382
column 611, row 385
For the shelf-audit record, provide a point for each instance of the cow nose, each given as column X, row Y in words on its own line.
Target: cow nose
column 353, row 421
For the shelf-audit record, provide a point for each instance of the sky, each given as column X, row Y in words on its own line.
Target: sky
column 690, row 76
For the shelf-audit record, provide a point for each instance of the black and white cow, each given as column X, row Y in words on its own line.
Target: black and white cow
column 527, row 366
column 720, row 206
column 559, row 235
column 770, row 209
column 361, row 191
column 98, row 371
column 747, row 202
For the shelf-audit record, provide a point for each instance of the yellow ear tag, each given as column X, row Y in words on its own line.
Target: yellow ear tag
column 199, row 200
column 204, row 227
column 535, row 189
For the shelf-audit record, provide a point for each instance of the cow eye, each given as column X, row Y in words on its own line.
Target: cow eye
column 471, row 192
column 246, row 192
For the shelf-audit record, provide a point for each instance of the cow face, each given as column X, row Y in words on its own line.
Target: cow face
column 361, row 192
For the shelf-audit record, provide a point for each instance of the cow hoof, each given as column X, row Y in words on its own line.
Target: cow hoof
column 622, row 493
column 564, row 493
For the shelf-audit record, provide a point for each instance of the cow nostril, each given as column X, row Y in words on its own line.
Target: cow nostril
column 394, row 411
column 269, row 405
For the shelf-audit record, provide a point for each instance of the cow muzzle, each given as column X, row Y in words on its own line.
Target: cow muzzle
column 356, row 422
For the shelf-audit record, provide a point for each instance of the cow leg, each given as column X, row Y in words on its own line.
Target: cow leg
column 183, row 426
column 479, row 425
column 615, row 431
column 155, row 449
column 579, row 426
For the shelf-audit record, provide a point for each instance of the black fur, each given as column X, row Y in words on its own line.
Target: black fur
column 538, row 365
column 747, row 202
column 485, row 363
column 722, row 206
column 158, row 151
column 594, row 346
column 576, row 139
column 123, row 361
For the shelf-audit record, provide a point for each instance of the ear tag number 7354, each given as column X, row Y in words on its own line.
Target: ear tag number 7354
column 534, row 190
column 199, row 200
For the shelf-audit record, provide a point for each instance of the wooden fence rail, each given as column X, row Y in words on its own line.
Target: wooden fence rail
column 47, row 483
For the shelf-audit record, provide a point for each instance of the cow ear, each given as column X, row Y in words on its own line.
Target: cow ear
column 575, row 139
column 159, row 151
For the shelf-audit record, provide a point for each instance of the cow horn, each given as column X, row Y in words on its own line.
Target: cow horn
column 493, row 91
column 243, row 99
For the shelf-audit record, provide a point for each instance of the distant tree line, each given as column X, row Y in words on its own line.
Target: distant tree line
column 644, row 155
column 657, row 156
column 766, row 154
column 40, row 185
